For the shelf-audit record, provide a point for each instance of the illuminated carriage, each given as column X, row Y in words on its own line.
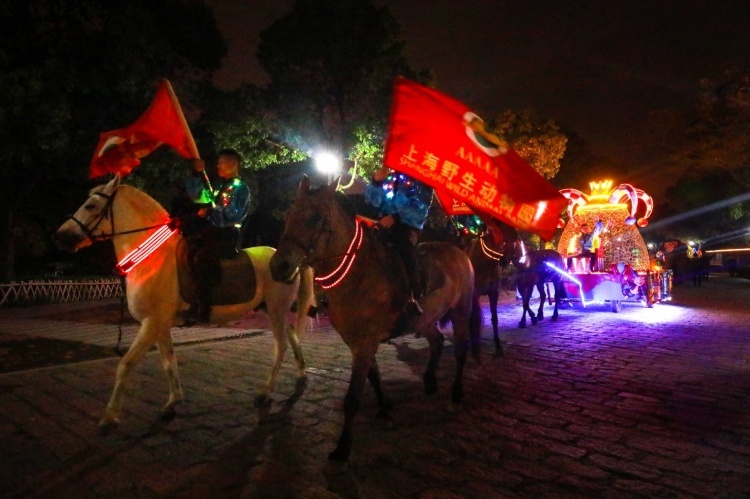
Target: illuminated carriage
column 623, row 270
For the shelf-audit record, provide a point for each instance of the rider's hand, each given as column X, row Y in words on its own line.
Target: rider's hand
column 387, row 221
column 199, row 165
column 381, row 174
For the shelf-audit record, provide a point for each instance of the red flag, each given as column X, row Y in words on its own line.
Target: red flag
column 451, row 205
column 440, row 141
column 120, row 151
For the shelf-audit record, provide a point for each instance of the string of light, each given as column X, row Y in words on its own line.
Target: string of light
column 332, row 279
column 489, row 252
column 140, row 253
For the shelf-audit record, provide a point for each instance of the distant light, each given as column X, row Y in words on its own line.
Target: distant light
column 327, row 162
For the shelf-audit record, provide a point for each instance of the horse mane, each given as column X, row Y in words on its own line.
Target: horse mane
column 345, row 203
column 142, row 203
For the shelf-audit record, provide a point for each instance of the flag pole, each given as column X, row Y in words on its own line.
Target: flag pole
column 191, row 141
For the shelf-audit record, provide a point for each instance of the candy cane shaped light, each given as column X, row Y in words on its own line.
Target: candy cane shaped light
column 648, row 201
column 576, row 199
column 620, row 193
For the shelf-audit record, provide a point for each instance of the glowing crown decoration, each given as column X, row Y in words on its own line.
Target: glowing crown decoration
column 616, row 207
column 603, row 194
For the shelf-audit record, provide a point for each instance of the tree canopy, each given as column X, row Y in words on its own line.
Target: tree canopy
column 332, row 64
column 74, row 69
column 711, row 161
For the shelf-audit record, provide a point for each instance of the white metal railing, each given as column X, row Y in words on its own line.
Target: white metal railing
column 59, row 291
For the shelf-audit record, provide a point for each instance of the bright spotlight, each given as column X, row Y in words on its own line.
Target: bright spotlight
column 327, row 162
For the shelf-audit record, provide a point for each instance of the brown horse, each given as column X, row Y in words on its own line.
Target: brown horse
column 365, row 294
column 487, row 254
column 535, row 269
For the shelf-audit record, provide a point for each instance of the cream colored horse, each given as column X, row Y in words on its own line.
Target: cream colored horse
column 127, row 216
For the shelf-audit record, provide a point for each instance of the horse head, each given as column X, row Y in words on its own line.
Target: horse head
column 87, row 225
column 307, row 230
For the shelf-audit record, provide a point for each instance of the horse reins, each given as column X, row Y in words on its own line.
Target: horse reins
column 105, row 214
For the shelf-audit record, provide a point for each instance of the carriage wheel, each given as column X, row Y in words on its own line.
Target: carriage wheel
column 616, row 306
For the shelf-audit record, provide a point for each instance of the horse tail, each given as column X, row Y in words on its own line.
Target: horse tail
column 305, row 300
column 475, row 326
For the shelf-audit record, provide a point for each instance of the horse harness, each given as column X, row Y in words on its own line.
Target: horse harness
column 334, row 277
column 106, row 214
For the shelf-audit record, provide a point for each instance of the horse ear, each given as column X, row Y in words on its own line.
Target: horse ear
column 114, row 183
column 304, row 186
column 333, row 186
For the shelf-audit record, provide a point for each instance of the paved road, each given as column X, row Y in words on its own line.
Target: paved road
column 644, row 403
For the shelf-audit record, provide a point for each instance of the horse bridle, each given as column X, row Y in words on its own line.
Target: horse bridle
column 104, row 214
column 308, row 259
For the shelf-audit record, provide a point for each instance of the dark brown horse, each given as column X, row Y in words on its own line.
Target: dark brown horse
column 487, row 254
column 534, row 270
column 365, row 294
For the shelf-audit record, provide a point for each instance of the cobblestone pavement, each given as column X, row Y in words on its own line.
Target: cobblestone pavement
column 641, row 403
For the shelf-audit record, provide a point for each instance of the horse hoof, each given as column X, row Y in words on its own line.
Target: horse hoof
column 107, row 426
column 301, row 382
column 338, row 456
column 168, row 414
column 499, row 353
column 430, row 386
column 455, row 407
column 261, row 400
column 335, row 467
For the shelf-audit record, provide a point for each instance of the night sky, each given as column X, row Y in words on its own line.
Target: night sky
column 596, row 67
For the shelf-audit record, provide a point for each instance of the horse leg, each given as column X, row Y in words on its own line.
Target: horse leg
column 492, row 295
column 277, row 306
column 140, row 346
column 436, row 341
column 169, row 364
column 362, row 360
column 525, row 297
column 542, row 298
column 558, row 293
column 384, row 403
column 305, row 299
column 460, row 344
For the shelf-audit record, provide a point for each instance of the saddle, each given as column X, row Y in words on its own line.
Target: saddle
column 237, row 285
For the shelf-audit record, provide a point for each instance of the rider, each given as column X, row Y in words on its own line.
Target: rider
column 403, row 203
column 469, row 225
column 214, row 231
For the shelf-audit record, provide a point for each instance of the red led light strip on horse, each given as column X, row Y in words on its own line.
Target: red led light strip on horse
column 335, row 277
column 489, row 252
column 147, row 247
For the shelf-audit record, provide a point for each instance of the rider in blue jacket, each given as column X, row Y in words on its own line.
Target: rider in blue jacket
column 403, row 203
column 215, row 232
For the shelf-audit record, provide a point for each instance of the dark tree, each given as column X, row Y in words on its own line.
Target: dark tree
column 332, row 65
column 72, row 70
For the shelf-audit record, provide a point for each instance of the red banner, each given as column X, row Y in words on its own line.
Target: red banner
column 451, row 205
column 438, row 140
column 120, row 151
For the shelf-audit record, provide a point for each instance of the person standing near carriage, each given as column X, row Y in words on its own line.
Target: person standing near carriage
column 588, row 242
column 403, row 204
column 214, row 231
